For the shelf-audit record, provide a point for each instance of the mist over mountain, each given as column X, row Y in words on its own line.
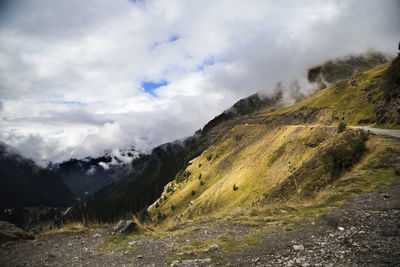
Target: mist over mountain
column 81, row 78
column 84, row 176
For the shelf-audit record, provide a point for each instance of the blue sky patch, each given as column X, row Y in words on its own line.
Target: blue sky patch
column 73, row 103
column 207, row 62
column 171, row 39
column 150, row 87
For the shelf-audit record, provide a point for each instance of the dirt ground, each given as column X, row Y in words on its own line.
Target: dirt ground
column 364, row 232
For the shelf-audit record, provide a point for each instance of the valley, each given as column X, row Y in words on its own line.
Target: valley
column 315, row 183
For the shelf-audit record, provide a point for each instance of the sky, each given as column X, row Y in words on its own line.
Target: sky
column 80, row 77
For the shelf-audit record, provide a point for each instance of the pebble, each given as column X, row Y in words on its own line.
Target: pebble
column 298, row 247
column 212, row 248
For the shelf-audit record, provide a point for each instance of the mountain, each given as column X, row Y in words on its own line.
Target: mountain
column 84, row 176
column 343, row 68
column 151, row 172
column 257, row 151
column 293, row 156
column 24, row 184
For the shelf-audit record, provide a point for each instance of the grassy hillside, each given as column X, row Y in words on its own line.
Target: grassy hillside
column 244, row 153
column 289, row 156
column 339, row 69
column 136, row 190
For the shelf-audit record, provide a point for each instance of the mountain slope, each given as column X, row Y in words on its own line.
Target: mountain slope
column 87, row 175
column 150, row 173
column 343, row 68
column 241, row 154
column 289, row 154
column 22, row 183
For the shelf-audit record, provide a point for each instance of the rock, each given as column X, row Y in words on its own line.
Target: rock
column 331, row 220
column 206, row 260
column 10, row 232
column 341, row 228
column 6, row 245
column 125, row 227
column 174, row 263
column 298, row 247
column 212, row 248
column 119, row 225
column 140, row 256
column 193, row 262
column 255, row 260
column 189, row 262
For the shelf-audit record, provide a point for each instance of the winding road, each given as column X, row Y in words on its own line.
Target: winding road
column 386, row 132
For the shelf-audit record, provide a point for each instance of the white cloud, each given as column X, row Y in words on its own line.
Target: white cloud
column 71, row 71
column 104, row 165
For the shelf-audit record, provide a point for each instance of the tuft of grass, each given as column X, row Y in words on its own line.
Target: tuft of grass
column 73, row 226
column 117, row 243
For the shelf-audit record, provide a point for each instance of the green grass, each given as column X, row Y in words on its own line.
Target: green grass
column 117, row 243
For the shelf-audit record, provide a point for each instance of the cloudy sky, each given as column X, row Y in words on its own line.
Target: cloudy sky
column 79, row 77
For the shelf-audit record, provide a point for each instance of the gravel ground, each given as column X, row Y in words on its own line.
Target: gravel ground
column 364, row 232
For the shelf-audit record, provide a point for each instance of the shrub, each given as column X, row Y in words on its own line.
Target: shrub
column 342, row 157
column 235, row 187
column 193, row 192
column 182, row 175
column 209, row 157
column 143, row 216
column 157, row 205
column 165, row 197
column 201, row 182
column 199, row 165
column 172, row 207
column 160, row 216
column 199, row 176
column 341, row 127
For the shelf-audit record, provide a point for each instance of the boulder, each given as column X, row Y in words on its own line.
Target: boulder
column 9, row 232
column 125, row 227
column 119, row 225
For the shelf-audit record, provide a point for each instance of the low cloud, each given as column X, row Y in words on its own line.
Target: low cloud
column 72, row 72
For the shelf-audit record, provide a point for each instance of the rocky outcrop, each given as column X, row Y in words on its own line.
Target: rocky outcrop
column 10, row 232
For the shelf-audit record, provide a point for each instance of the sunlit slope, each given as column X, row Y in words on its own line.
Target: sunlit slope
column 282, row 154
column 240, row 169
column 353, row 100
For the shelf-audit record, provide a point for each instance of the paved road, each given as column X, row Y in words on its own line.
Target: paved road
column 387, row 132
